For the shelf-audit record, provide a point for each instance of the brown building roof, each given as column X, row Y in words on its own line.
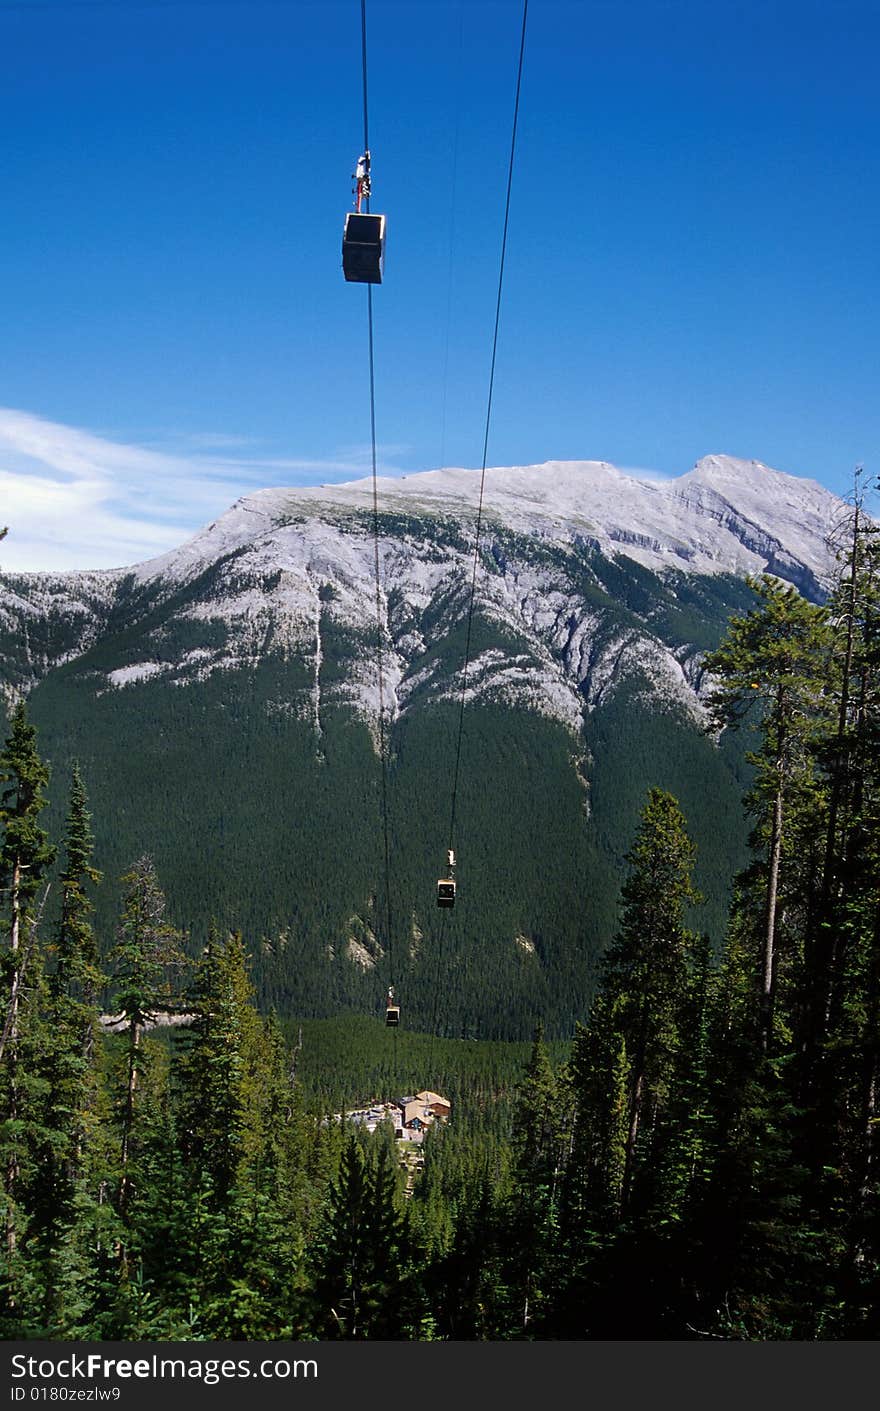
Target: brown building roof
column 429, row 1099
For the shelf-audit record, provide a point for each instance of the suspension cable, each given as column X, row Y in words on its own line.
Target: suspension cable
column 452, row 200
column 473, row 587
column 364, row 70
column 383, row 753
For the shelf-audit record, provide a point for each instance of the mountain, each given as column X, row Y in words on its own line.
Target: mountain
column 222, row 700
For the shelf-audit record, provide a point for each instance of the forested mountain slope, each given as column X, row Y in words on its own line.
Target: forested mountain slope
column 222, row 701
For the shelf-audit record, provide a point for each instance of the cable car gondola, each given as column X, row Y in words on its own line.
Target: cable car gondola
column 446, row 885
column 392, row 1010
column 363, row 239
column 445, row 891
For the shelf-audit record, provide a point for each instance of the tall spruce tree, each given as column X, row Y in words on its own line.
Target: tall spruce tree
column 241, row 1135
column 74, row 986
column 69, row 1061
column 25, row 855
column 147, row 951
column 626, row 1063
column 357, row 1285
column 773, row 671
column 645, row 973
column 532, row 1211
column 214, row 1092
column 777, row 673
column 839, row 1049
column 342, row 1273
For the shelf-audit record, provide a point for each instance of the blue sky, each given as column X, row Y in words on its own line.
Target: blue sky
column 692, row 261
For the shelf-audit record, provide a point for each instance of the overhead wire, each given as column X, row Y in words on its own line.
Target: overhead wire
column 478, row 533
column 434, row 990
column 377, row 566
column 452, row 201
column 479, row 526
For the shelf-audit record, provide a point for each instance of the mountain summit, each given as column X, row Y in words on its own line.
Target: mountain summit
column 725, row 515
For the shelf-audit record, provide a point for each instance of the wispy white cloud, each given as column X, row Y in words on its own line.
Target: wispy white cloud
column 217, row 441
column 73, row 499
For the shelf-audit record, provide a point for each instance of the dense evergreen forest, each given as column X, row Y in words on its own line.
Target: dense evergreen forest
column 255, row 820
column 702, row 1160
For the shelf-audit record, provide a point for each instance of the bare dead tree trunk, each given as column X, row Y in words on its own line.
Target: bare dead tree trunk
column 768, row 964
column 297, row 1050
column 21, row 954
column 12, row 1166
column 9, row 1036
column 134, row 1041
column 635, row 1116
column 768, row 968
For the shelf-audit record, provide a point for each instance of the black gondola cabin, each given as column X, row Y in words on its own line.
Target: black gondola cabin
column 445, row 892
column 363, row 248
column 392, row 1015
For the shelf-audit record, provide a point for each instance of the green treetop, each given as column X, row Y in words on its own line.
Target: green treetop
column 774, row 670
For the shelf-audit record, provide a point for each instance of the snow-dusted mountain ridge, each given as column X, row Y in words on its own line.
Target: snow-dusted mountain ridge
column 285, row 570
column 724, row 515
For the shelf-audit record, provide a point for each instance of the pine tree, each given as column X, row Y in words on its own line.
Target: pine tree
column 626, row 1070
column 242, row 1139
column 78, row 975
column 682, row 1159
column 384, row 1239
column 72, row 1003
column 342, row 1269
column 773, row 672
column 839, row 1050
column 358, row 1287
column 645, row 971
column 214, row 1071
column 25, row 855
column 68, row 1066
column 537, row 1138
column 147, row 949
column 470, row 1297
